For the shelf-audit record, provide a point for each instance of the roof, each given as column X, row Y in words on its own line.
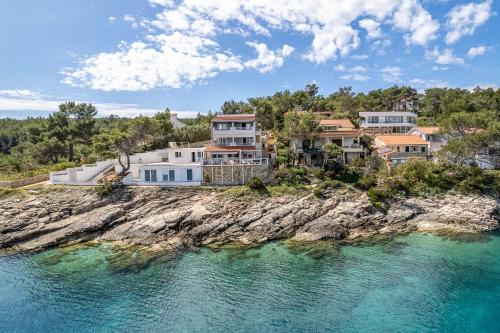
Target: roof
column 234, row 117
column 229, row 148
column 345, row 123
column 428, row 129
column 390, row 140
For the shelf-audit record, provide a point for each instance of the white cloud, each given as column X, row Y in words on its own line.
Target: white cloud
column 111, row 19
column 372, row 28
column 267, row 60
column 174, row 60
column 476, row 51
column 355, row 77
column 444, row 58
column 422, row 84
column 418, row 24
column 440, row 68
column 343, row 68
column 391, row 74
column 464, row 19
column 20, row 93
column 159, row 59
column 360, row 56
column 49, row 105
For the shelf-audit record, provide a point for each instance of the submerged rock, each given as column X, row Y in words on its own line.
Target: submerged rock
column 163, row 219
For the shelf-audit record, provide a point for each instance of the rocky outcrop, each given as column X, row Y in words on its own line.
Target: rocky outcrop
column 171, row 218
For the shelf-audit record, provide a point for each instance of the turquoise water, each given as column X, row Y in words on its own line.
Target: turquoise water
column 415, row 283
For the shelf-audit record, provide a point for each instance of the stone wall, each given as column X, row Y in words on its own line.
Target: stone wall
column 233, row 175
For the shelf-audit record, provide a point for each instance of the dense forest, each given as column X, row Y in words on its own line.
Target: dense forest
column 75, row 134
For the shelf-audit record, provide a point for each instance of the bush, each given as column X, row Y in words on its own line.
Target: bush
column 377, row 197
column 105, row 189
column 318, row 193
column 366, row 183
column 292, row 176
column 255, row 183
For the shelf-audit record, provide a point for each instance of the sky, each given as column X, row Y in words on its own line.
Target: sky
column 133, row 57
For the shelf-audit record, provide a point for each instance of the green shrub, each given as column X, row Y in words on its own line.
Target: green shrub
column 255, row 183
column 366, row 183
column 318, row 192
column 292, row 176
column 105, row 189
column 332, row 183
column 377, row 197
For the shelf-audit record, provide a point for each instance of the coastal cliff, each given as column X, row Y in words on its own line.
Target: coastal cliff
column 161, row 218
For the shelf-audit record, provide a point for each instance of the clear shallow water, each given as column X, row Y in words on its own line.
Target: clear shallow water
column 415, row 283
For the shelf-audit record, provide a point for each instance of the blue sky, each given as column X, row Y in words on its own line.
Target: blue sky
column 140, row 56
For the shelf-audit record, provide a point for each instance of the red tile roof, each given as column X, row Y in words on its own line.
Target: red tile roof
column 391, row 140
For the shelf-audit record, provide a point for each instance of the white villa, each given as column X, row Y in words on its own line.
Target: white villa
column 387, row 122
column 233, row 155
column 178, row 165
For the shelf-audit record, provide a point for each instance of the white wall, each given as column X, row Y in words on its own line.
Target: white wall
column 179, row 170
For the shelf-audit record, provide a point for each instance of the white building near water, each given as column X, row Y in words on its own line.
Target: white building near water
column 179, row 165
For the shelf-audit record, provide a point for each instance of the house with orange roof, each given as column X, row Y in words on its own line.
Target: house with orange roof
column 338, row 131
column 397, row 149
column 432, row 135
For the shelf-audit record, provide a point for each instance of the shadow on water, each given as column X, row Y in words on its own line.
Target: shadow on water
column 108, row 258
column 464, row 237
column 316, row 250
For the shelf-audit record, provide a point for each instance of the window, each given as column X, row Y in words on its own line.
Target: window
column 422, row 149
column 178, row 154
column 171, row 175
column 150, row 175
column 200, row 154
column 164, row 174
column 407, row 149
column 189, row 175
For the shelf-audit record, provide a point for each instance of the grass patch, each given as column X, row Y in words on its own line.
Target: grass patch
column 6, row 175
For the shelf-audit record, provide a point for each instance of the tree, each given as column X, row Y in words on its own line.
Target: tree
column 331, row 151
column 129, row 136
column 81, row 124
column 165, row 129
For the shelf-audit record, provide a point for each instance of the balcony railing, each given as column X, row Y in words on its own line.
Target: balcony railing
column 236, row 161
column 407, row 154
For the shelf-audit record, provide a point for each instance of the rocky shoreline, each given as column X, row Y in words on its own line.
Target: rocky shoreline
column 164, row 219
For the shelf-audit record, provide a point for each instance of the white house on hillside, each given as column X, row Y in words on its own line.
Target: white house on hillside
column 235, row 136
column 387, row 122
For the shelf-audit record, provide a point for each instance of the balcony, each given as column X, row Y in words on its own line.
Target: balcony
column 417, row 154
column 365, row 124
column 236, row 161
column 235, row 132
column 354, row 148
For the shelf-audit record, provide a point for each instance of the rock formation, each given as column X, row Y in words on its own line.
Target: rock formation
column 163, row 218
